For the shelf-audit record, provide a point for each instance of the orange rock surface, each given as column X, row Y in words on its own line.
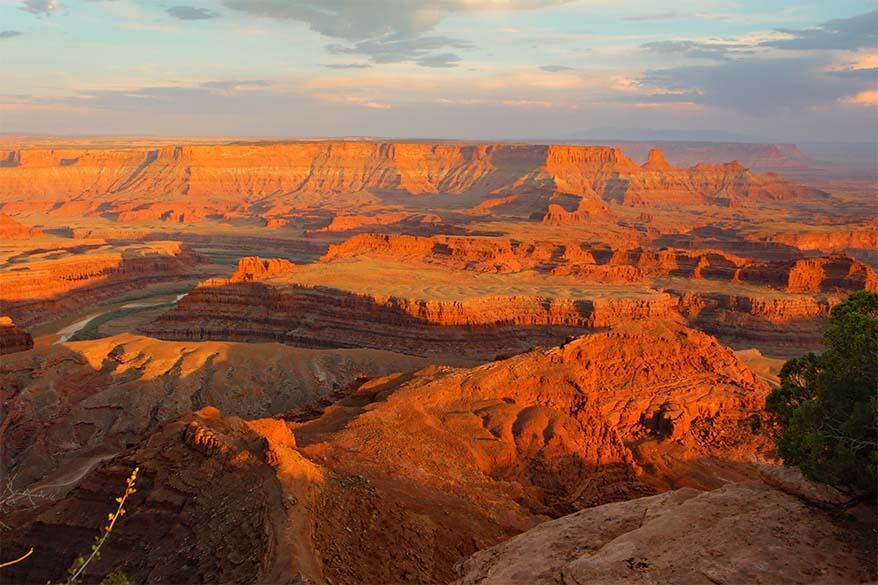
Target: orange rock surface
column 361, row 361
column 13, row 230
column 12, row 338
column 416, row 470
column 46, row 284
column 254, row 268
column 221, row 171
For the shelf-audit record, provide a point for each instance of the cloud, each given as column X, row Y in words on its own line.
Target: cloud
column 8, row 34
column 347, row 66
column 654, row 17
column 716, row 50
column 423, row 50
column 387, row 31
column 362, row 19
column 233, row 85
column 842, row 33
column 192, row 13
column 864, row 98
column 556, row 68
column 39, row 6
column 757, row 87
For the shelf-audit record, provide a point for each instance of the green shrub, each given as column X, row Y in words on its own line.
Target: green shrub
column 827, row 403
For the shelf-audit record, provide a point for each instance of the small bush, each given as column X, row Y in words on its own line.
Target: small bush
column 827, row 404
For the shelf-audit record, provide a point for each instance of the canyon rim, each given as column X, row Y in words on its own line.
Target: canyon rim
column 459, row 292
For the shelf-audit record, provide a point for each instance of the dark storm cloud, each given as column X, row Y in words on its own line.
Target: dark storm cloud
column 842, row 33
column 192, row 13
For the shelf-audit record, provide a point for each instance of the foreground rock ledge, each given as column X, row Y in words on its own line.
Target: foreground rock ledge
column 740, row 533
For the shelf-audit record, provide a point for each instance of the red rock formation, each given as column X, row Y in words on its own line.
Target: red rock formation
column 255, row 268
column 760, row 157
column 657, row 162
column 43, row 288
column 586, row 210
column 786, row 325
column 829, row 274
column 13, row 339
column 320, row 316
column 12, row 230
column 211, row 175
column 276, row 222
column 348, row 223
column 601, row 264
column 102, row 394
column 836, row 240
column 417, row 471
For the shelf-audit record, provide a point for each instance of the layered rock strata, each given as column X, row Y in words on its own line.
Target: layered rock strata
column 12, row 338
column 628, row 264
column 42, row 287
column 417, row 470
column 265, row 169
column 320, row 316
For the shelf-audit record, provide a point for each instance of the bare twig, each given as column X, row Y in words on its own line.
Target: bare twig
column 18, row 560
column 112, row 519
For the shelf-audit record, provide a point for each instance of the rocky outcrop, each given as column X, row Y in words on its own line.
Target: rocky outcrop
column 814, row 275
column 780, row 158
column 255, row 268
column 603, row 264
column 102, row 394
column 656, row 161
column 12, row 338
column 372, row 223
column 835, row 240
column 321, row 316
column 416, row 470
column 786, row 325
column 44, row 286
column 578, row 211
column 209, row 175
column 13, row 230
column 740, row 533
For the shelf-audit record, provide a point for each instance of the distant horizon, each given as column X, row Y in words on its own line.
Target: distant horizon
column 403, row 138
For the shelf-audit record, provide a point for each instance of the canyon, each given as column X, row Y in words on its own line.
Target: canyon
column 377, row 361
column 540, row 434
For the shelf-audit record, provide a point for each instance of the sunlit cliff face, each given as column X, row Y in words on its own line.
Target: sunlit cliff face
column 436, row 291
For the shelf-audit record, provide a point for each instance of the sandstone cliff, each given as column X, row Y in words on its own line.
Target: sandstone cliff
column 208, row 175
column 43, row 286
column 476, row 328
column 13, row 230
column 102, row 394
column 12, row 338
column 417, row 470
column 836, row 273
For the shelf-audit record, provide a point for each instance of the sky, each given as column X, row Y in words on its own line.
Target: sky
column 803, row 70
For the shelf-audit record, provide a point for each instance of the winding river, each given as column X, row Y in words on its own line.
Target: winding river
column 68, row 332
